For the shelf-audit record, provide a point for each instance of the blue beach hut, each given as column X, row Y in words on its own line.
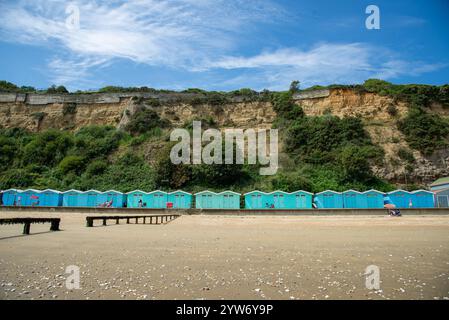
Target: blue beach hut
column 228, row 200
column 401, row 199
column 111, row 199
column 207, row 200
column 156, row 199
column 72, row 198
column 301, row 199
column 423, row 199
column 135, row 199
column 374, row 199
column 29, row 197
column 256, row 200
column 50, row 198
column 180, row 199
column 10, row 197
column 329, row 200
column 353, row 199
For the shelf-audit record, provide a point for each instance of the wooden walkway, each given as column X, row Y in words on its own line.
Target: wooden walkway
column 151, row 219
column 28, row 221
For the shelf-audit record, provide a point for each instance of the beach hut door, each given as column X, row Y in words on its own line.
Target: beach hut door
column 443, row 201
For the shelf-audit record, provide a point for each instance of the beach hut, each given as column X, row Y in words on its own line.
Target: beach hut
column 374, row 199
column 10, row 197
column 135, row 199
column 423, row 199
column 50, row 198
column 29, row 197
column 353, row 199
column 442, row 198
column 229, row 200
column 72, row 198
column 90, row 198
column 180, row 199
column 207, row 200
column 401, row 198
column 440, row 184
column 256, row 200
column 329, row 200
column 156, row 199
column 111, row 199
column 301, row 199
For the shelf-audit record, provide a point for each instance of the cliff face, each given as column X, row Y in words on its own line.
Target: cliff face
column 71, row 112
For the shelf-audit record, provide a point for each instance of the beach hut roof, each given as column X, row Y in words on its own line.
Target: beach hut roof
column 179, row 191
column 441, row 190
column 112, row 190
column 327, row 191
column 229, row 191
column 73, row 190
column 92, row 190
column 206, row 191
column 422, row 190
column 156, row 191
column 440, row 181
column 352, row 190
column 16, row 190
column 134, row 191
column 374, row 190
column 398, row 190
column 51, row 190
column 255, row 191
column 33, row 190
column 278, row 191
column 301, row 191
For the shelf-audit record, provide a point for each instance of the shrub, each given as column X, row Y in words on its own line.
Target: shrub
column 423, row 131
column 69, row 108
column 145, row 120
column 73, row 164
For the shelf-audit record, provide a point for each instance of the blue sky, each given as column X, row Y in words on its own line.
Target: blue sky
column 221, row 44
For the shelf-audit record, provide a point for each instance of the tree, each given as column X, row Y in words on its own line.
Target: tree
column 294, row 86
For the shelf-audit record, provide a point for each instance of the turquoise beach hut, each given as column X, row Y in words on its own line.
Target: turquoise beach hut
column 135, row 199
column 374, row 199
column 72, row 198
column 329, row 200
column 50, row 198
column 229, row 200
column 10, row 197
column 156, row 199
column 111, row 199
column 29, row 197
column 180, row 199
column 423, row 199
column 353, row 199
column 256, row 200
column 401, row 199
column 207, row 200
column 301, row 199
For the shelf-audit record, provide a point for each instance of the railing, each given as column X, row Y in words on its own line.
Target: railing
column 28, row 221
column 153, row 219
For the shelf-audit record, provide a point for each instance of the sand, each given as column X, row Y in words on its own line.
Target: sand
column 223, row 257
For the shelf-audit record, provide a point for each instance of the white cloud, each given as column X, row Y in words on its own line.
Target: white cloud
column 192, row 35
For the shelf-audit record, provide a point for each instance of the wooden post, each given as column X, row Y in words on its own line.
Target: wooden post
column 144, row 218
column 137, row 220
column 89, row 222
column 104, row 222
column 54, row 225
column 117, row 221
column 127, row 220
column 26, row 228
column 151, row 220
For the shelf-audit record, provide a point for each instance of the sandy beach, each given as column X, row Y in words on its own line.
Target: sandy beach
column 224, row 257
